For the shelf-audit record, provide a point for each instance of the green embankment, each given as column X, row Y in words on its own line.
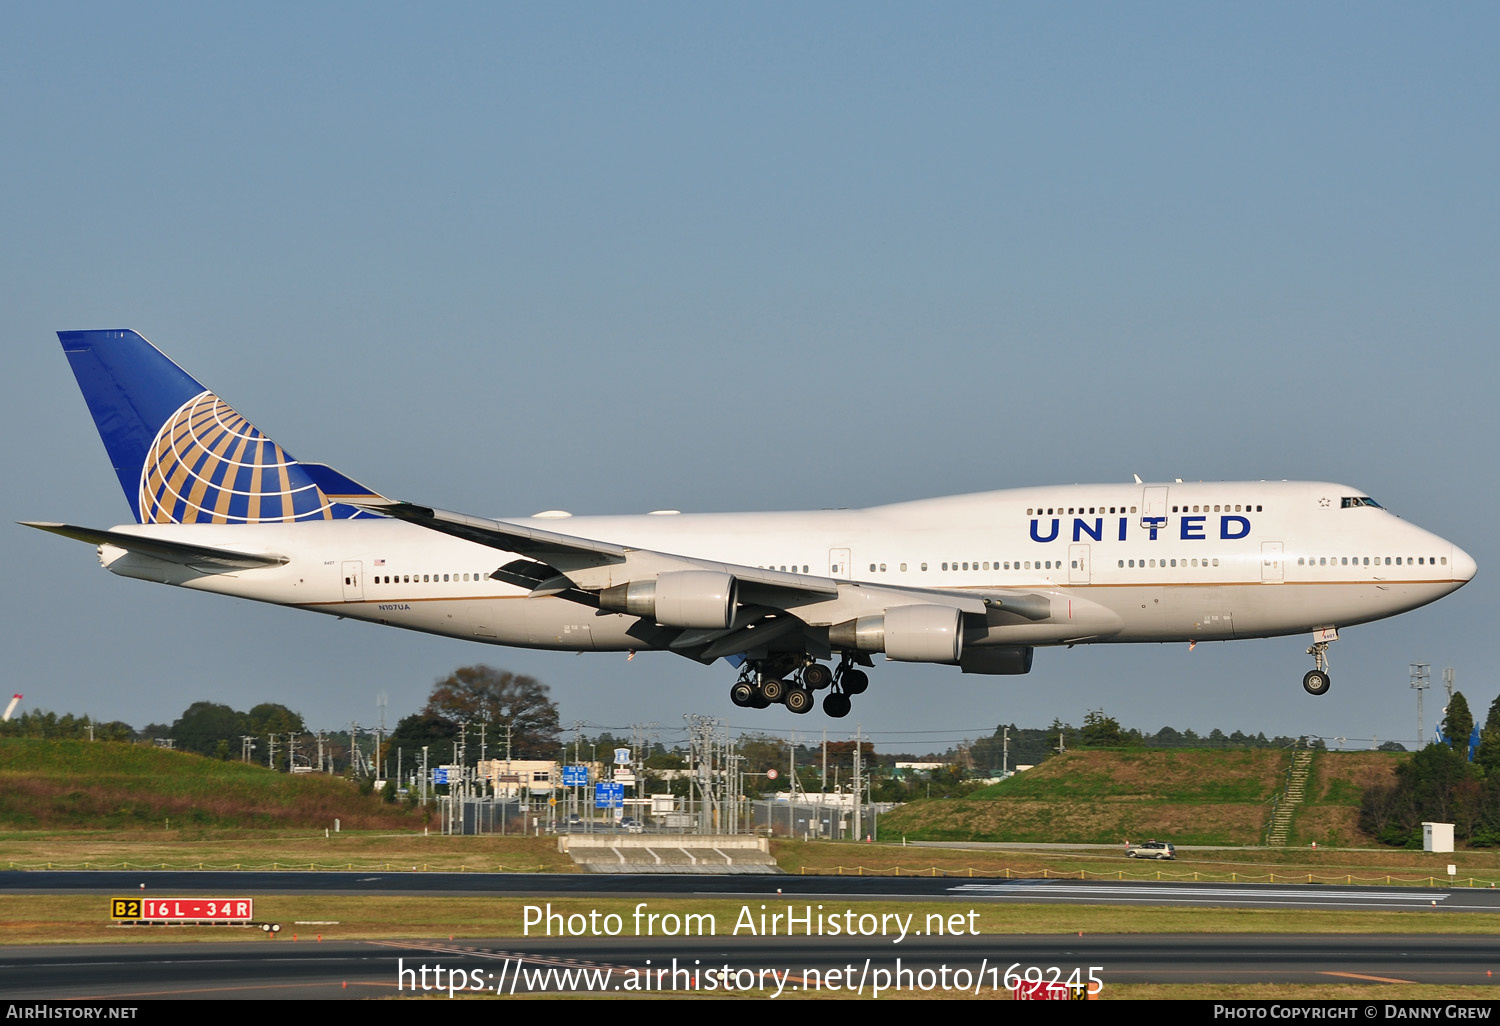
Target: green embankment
column 1330, row 813
column 1190, row 796
column 108, row 785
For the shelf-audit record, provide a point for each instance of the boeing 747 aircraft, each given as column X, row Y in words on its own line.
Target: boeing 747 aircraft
column 799, row 602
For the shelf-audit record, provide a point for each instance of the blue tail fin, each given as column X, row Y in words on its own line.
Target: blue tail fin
column 182, row 455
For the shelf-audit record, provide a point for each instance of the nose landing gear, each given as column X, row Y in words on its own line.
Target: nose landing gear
column 1316, row 681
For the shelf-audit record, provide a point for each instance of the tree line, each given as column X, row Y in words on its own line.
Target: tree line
column 1453, row 780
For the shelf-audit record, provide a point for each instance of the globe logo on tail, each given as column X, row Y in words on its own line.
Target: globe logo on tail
column 209, row 465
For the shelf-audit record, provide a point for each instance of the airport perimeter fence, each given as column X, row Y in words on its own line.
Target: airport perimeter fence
column 815, row 821
column 1193, row 876
column 798, row 820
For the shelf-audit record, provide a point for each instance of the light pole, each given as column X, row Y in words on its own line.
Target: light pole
column 1421, row 680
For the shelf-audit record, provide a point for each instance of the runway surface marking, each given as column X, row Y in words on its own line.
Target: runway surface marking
column 1244, row 892
column 1361, row 976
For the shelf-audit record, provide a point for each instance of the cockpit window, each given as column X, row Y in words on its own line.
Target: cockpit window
column 1350, row 501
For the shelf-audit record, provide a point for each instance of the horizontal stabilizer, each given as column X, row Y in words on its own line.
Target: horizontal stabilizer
column 182, row 553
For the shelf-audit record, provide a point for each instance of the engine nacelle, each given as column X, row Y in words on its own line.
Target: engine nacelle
column 908, row 634
column 700, row 599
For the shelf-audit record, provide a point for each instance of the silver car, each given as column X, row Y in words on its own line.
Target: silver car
column 1152, row 850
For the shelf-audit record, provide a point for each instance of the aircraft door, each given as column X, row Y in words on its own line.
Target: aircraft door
column 353, row 571
column 838, row 564
column 1154, row 507
column 1078, row 564
column 1270, row 563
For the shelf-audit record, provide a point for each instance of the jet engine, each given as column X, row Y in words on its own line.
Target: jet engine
column 701, row 599
column 908, row 634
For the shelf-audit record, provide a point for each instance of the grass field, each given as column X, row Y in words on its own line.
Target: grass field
column 1189, row 796
column 63, row 919
column 62, row 784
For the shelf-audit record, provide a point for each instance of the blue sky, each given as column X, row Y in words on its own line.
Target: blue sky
column 611, row 258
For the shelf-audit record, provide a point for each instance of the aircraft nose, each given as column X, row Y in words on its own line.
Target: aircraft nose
column 1464, row 567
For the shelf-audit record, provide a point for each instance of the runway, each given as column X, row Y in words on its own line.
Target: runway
column 1092, row 892
column 868, row 967
column 863, row 959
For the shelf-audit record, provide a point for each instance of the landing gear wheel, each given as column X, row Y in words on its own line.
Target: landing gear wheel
column 855, row 682
column 837, row 705
column 759, row 702
column 817, row 676
column 1315, row 682
column 799, row 700
column 772, row 689
column 742, row 694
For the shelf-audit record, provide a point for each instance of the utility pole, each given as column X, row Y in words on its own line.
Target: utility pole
column 1421, row 680
column 859, row 734
column 1005, row 757
column 1448, row 677
column 791, row 764
column 708, row 760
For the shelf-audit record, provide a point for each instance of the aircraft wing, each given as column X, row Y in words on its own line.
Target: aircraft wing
column 182, row 553
column 589, row 564
column 771, row 604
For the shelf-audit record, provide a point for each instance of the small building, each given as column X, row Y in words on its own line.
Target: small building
column 1437, row 836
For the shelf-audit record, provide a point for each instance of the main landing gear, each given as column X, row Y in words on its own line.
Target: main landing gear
column 786, row 682
column 1316, row 681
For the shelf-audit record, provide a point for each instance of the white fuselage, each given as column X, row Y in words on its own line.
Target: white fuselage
column 1120, row 563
